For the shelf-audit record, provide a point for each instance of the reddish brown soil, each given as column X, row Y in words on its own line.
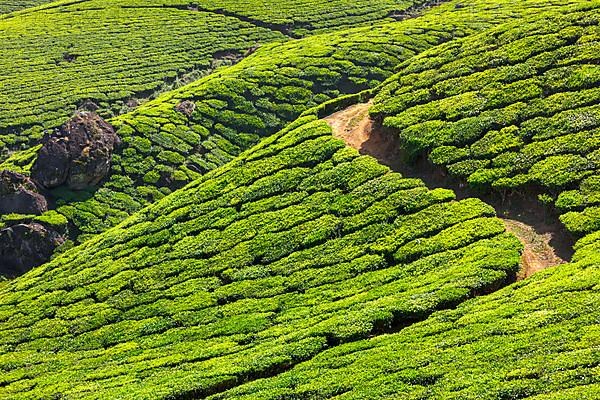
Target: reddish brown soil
column 538, row 254
column 545, row 241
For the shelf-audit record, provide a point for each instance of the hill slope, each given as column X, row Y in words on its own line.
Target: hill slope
column 297, row 246
column 300, row 269
column 537, row 339
column 235, row 107
column 52, row 63
column 512, row 110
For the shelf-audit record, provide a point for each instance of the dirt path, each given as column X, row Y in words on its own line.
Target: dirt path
column 352, row 124
column 545, row 242
column 538, row 254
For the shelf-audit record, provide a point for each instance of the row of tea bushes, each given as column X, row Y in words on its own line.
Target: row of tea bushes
column 513, row 109
column 536, row 339
column 53, row 59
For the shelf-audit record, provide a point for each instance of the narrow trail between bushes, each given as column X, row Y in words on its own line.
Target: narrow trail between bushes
column 546, row 243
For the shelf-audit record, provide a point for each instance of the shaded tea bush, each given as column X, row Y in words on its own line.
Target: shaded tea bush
column 513, row 109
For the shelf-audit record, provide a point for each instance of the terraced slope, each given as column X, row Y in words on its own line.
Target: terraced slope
column 514, row 109
column 52, row 63
column 537, row 339
column 234, row 108
column 298, row 245
column 229, row 112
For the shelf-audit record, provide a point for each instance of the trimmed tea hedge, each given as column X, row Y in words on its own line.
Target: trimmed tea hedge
column 537, row 339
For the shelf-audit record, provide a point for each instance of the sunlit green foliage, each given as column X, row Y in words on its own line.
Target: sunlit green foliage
column 7, row 6
column 53, row 58
column 536, row 339
column 512, row 109
column 296, row 246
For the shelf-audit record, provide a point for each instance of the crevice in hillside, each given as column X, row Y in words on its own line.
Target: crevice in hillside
column 546, row 242
column 416, row 9
column 286, row 30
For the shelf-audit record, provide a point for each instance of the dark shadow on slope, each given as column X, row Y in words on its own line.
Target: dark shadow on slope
column 196, row 7
column 416, row 9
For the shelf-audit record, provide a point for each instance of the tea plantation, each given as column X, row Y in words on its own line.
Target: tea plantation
column 238, row 250
column 514, row 109
column 234, row 108
column 7, row 6
column 294, row 247
column 537, row 339
column 53, row 59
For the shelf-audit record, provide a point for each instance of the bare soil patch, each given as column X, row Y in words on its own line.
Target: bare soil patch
column 538, row 253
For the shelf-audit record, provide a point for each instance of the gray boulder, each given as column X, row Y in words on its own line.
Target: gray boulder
column 20, row 195
column 78, row 154
column 26, row 245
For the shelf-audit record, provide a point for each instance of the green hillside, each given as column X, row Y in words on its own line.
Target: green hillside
column 512, row 110
column 237, row 106
column 297, row 246
column 52, row 64
column 537, row 339
column 240, row 249
column 7, row 6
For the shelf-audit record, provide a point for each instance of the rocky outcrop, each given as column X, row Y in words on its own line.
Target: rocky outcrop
column 78, row 154
column 89, row 105
column 20, row 195
column 186, row 107
column 26, row 245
